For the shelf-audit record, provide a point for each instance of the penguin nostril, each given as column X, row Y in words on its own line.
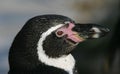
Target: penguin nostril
column 92, row 31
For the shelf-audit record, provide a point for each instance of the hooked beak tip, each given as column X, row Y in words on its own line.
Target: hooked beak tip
column 91, row 31
column 105, row 31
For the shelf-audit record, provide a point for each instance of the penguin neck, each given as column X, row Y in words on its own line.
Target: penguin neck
column 66, row 63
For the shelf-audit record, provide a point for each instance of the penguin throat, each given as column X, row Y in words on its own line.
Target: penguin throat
column 66, row 63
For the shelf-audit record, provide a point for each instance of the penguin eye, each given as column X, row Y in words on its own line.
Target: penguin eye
column 59, row 33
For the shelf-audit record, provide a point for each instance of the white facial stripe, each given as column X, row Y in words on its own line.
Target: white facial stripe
column 66, row 62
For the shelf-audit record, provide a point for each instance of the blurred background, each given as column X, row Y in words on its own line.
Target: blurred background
column 99, row 56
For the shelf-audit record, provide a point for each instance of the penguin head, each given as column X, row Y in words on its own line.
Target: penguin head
column 56, row 35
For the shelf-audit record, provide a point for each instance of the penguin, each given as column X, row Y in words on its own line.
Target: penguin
column 45, row 42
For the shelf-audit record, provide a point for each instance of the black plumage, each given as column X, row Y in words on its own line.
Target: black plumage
column 23, row 56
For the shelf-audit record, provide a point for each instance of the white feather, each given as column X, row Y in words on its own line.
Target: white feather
column 66, row 63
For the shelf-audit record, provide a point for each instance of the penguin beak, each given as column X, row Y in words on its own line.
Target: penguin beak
column 90, row 31
column 76, row 33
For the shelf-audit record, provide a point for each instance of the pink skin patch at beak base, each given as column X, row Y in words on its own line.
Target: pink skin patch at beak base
column 72, row 35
